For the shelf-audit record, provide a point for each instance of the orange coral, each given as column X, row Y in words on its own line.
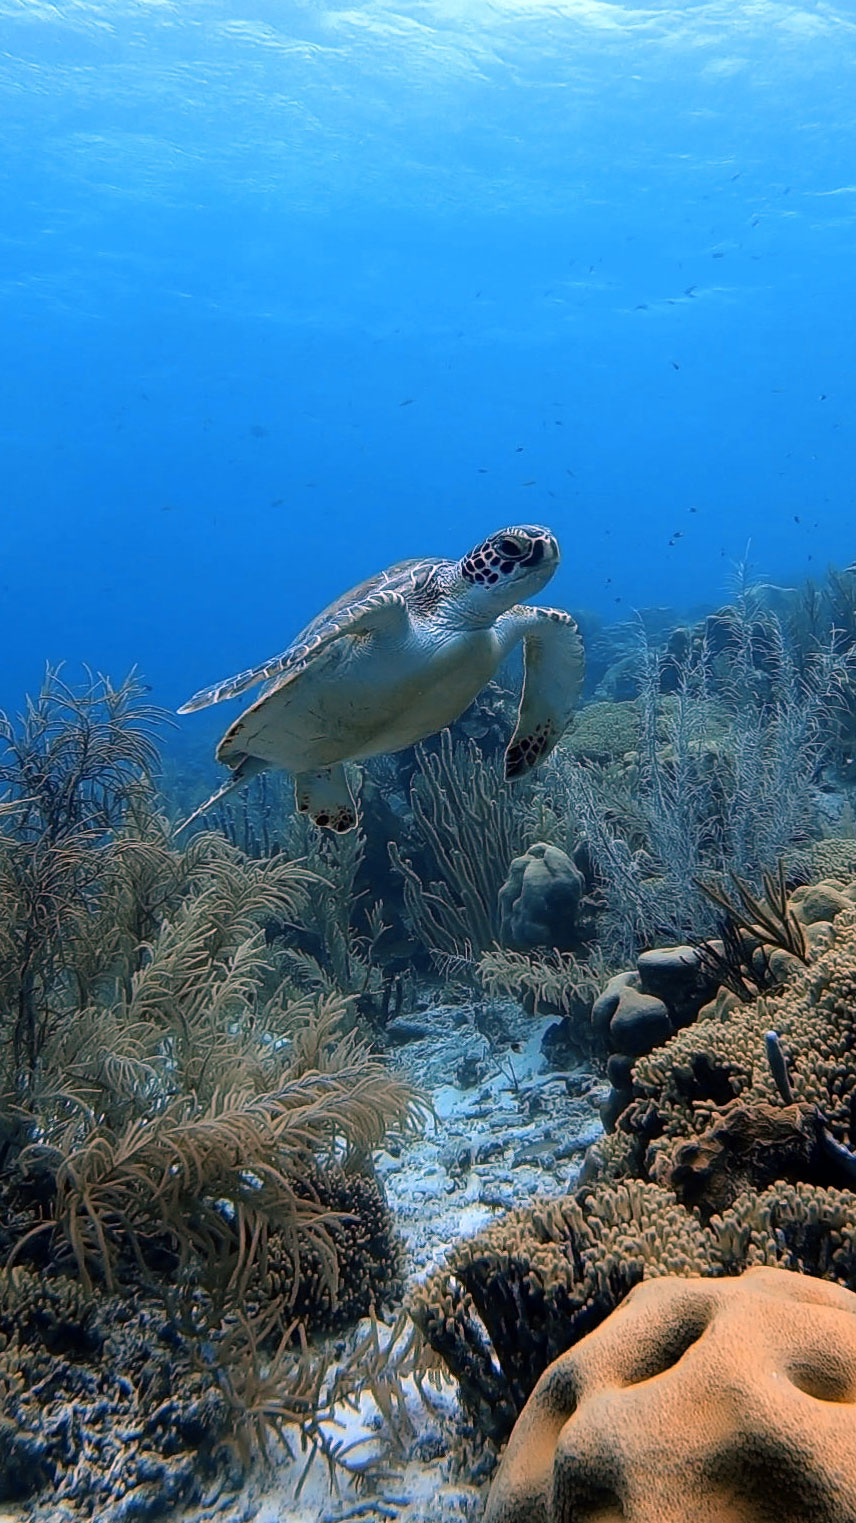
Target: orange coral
column 697, row 1401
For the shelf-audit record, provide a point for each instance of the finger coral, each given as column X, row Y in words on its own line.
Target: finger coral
column 509, row 1300
column 679, row 1089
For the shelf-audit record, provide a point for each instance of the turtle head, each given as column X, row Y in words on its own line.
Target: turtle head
column 509, row 566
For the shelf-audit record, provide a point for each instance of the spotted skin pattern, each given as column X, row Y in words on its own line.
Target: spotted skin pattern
column 497, row 556
column 340, row 820
column 524, row 754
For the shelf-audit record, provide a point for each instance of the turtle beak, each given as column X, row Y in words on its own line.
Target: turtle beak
column 542, row 559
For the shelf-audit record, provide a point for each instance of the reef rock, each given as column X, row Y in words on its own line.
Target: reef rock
column 696, row 1401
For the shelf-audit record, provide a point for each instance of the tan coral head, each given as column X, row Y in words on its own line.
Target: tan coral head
column 696, row 1401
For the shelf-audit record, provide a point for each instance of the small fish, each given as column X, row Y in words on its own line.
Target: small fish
column 689, row 290
column 675, row 365
column 641, row 306
column 408, row 402
column 796, row 518
column 529, row 483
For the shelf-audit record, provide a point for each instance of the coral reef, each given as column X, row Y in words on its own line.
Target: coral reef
column 735, row 1151
column 190, row 1082
column 640, row 1009
column 102, row 1406
column 178, row 1116
column 697, row 1400
column 508, row 1301
column 468, row 826
column 679, row 1088
column 722, row 776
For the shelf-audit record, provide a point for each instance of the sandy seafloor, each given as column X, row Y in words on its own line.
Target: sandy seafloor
column 520, row 1131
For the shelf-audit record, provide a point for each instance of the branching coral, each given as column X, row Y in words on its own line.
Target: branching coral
column 470, row 824
column 176, row 1114
column 510, row 1300
column 723, row 778
column 72, row 767
column 551, row 983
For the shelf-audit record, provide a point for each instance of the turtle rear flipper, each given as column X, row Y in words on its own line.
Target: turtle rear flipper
column 326, row 797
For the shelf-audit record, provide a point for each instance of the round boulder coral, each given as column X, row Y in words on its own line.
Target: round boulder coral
column 696, row 1401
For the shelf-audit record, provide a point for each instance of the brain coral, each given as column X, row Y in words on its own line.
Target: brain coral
column 602, row 731
column 697, row 1401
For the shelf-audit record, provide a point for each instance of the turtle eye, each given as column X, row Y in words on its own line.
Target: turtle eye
column 509, row 549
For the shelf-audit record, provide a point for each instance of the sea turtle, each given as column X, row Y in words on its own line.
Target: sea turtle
column 398, row 658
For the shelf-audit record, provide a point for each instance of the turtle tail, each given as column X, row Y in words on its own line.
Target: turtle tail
column 247, row 768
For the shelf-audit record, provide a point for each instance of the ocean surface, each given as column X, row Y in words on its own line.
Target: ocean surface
column 289, row 291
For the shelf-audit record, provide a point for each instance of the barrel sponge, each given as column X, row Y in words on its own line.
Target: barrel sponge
column 696, row 1401
column 539, row 900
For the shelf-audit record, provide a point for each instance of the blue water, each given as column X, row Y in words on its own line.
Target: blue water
column 291, row 290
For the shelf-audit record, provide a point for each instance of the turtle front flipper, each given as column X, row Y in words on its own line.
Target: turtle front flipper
column 326, row 797
column 554, row 667
column 378, row 613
